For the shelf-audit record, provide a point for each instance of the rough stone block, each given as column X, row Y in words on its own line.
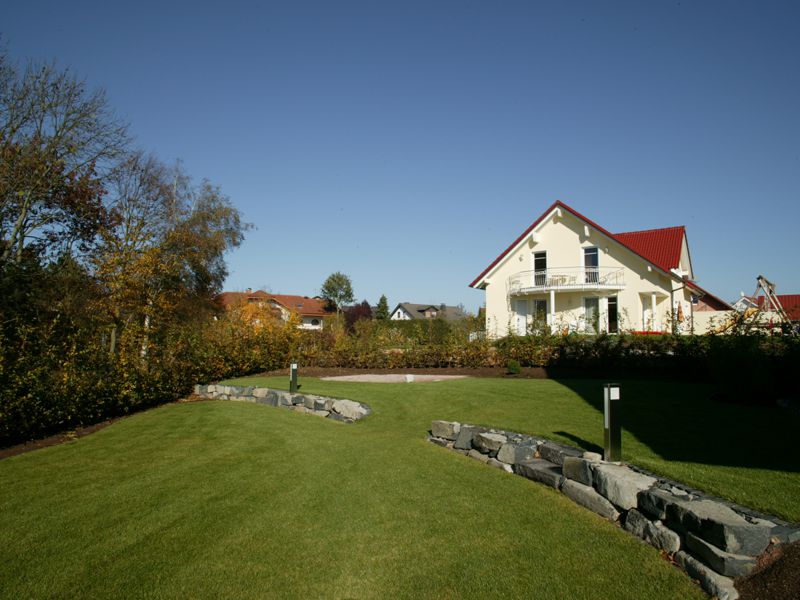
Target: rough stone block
column 719, row 525
column 653, row 502
column 322, row 413
column 321, row 403
column 447, row 430
column 284, row 399
column 654, row 533
column 337, row 417
column 515, row 452
column 438, row 441
column 620, row 484
column 465, row 435
column 555, row 453
column 540, row 470
column 587, row 497
column 725, row 563
column 308, row 402
column 260, row 392
column 592, row 456
column 300, row 408
column 578, row 469
column 713, row 583
column 298, row 399
column 493, row 462
column 349, row 409
column 489, row 443
column 478, row 456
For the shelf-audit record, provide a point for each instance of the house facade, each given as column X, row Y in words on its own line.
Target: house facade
column 310, row 311
column 568, row 274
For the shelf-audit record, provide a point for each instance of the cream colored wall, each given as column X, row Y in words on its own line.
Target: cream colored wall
column 564, row 238
column 707, row 321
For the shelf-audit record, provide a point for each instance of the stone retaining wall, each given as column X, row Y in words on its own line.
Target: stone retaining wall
column 330, row 408
column 713, row 541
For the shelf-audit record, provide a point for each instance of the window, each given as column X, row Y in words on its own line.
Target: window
column 590, row 262
column 315, row 322
column 539, row 324
column 539, row 268
column 613, row 315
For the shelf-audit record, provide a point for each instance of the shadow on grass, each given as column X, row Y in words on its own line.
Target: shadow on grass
column 582, row 443
column 681, row 422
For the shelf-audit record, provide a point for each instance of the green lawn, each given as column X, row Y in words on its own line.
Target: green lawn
column 225, row 499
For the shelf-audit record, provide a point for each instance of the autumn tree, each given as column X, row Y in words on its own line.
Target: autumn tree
column 337, row 290
column 55, row 139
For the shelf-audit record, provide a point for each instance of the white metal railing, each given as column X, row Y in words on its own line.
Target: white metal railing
column 567, row 278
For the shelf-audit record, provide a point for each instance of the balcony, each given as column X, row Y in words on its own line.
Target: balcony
column 566, row 279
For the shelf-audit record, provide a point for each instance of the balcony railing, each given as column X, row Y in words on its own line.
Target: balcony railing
column 567, row 279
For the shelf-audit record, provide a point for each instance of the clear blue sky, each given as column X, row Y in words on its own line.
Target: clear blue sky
column 408, row 143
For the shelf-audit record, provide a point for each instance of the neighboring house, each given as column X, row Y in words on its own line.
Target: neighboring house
column 569, row 273
column 311, row 311
column 789, row 302
column 406, row 311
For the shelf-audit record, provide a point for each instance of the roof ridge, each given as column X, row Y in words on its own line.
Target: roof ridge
column 652, row 229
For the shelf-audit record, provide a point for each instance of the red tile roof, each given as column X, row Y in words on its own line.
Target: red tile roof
column 642, row 241
column 302, row 305
column 790, row 303
column 662, row 247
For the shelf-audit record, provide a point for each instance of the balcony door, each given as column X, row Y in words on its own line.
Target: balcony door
column 590, row 265
column 539, row 269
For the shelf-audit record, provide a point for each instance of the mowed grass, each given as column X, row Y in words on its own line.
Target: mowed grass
column 235, row 500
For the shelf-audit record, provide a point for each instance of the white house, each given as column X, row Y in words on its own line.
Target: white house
column 568, row 273
column 406, row 311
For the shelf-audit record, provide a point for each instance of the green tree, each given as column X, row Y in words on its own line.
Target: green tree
column 382, row 311
column 337, row 290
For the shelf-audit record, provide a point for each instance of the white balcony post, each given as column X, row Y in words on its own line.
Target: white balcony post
column 552, row 307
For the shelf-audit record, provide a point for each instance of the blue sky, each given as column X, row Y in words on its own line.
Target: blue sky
column 408, row 143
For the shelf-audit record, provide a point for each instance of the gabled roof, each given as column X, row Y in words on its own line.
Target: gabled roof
column 448, row 313
column 645, row 244
column 662, row 247
column 302, row 305
column 789, row 302
column 710, row 299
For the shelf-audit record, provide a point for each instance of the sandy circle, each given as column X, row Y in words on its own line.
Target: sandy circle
column 393, row 378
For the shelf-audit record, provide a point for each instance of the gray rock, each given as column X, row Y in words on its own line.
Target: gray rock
column 587, row 497
column 337, row 417
column 653, row 502
column 516, row 452
column 438, row 441
column 243, row 398
column 493, row 462
column 465, row 435
column 260, row 392
column 540, row 470
column 322, row 413
column 298, row 400
column 447, row 430
column 713, row 583
column 654, row 533
column 350, row 409
column 621, row 484
column 592, row 456
column 284, row 399
column 718, row 524
column 478, row 456
column 321, row 403
column 308, row 402
column 300, row 408
column 725, row 563
column 489, row 443
column 555, row 453
column 246, row 391
column 785, row 534
column 578, row 469
column 199, row 390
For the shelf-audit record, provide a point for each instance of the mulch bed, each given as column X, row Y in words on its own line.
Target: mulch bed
column 778, row 578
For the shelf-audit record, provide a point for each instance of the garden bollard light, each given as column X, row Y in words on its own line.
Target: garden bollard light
column 293, row 378
column 612, row 424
